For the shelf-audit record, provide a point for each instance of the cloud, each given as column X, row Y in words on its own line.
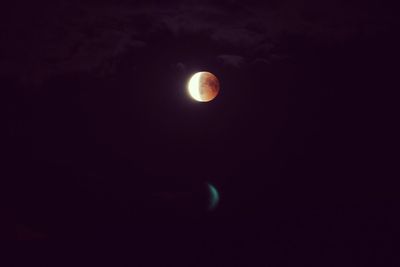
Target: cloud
column 261, row 61
column 237, row 37
column 232, row 60
column 180, row 67
column 89, row 37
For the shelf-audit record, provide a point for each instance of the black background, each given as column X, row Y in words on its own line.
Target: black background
column 299, row 142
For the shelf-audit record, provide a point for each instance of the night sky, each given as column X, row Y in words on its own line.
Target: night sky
column 102, row 141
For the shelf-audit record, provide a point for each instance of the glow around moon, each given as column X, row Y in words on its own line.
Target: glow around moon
column 203, row 86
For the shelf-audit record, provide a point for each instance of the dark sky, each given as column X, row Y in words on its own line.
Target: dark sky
column 103, row 143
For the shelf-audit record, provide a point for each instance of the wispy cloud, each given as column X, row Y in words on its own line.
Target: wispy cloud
column 87, row 37
column 232, row 60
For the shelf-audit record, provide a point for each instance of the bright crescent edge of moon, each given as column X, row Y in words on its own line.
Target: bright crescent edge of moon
column 194, row 87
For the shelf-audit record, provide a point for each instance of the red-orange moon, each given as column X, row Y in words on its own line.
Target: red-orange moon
column 203, row 86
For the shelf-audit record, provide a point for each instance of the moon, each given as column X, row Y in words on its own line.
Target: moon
column 203, row 86
column 213, row 197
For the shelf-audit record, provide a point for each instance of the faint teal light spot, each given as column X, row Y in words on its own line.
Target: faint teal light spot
column 214, row 197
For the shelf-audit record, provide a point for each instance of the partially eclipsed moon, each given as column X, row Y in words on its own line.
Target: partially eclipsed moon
column 214, row 197
column 203, row 86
